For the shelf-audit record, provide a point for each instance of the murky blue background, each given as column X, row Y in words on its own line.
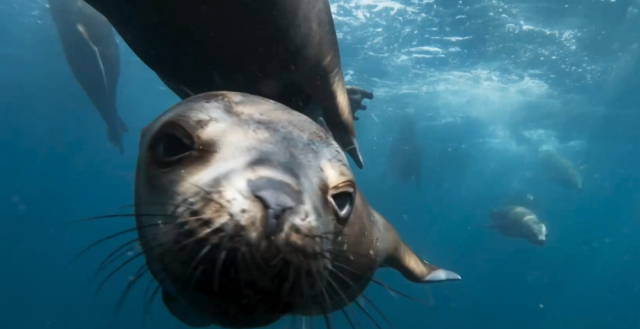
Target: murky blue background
column 472, row 73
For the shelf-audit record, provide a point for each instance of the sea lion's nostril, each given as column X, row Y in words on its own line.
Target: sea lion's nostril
column 277, row 197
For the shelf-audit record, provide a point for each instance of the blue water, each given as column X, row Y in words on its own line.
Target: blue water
column 564, row 73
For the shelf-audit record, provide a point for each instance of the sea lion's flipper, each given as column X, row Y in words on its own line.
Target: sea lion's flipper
column 183, row 312
column 356, row 96
column 401, row 258
column 414, row 269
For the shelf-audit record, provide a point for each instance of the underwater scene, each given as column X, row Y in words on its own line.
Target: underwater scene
column 338, row 164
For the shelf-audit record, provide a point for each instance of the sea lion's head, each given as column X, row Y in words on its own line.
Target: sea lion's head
column 238, row 201
column 538, row 234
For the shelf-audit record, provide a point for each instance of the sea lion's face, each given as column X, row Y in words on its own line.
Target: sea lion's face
column 539, row 236
column 238, row 201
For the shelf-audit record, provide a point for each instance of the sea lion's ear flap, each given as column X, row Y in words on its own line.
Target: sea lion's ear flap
column 414, row 269
column 183, row 312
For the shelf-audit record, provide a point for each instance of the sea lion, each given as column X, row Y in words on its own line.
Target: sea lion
column 519, row 222
column 91, row 50
column 247, row 211
column 404, row 160
column 286, row 51
column 560, row 170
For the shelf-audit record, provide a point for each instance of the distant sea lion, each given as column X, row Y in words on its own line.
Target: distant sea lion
column 519, row 222
column 262, row 216
column 286, row 51
column 404, row 158
column 560, row 170
column 91, row 51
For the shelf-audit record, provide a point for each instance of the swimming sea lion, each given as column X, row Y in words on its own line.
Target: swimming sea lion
column 560, row 170
column 247, row 211
column 286, row 51
column 91, row 51
column 519, row 222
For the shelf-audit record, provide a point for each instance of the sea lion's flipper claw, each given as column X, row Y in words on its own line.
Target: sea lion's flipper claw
column 436, row 274
column 356, row 96
column 183, row 312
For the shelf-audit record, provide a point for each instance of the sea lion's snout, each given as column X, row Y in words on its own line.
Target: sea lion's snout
column 279, row 199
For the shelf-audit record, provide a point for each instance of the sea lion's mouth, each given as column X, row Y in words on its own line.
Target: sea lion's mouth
column 225, row 263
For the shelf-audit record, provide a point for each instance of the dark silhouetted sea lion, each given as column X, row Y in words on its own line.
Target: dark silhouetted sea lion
column 519, row 222
column 404, row 158
column 91, row 50
column 283, row 50
column 247, row 211
column 560, row 170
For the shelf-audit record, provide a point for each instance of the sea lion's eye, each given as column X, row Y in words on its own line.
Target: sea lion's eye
column 343, row 205
column 172, row 144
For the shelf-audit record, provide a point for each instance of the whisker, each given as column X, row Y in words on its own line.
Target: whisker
column 327, row 319
column 149, row 302
column 117, row 270
column 348, row 318
column 382, row 284
column 346, row 300
column 367, row 314
column 132, row 282
column 199, row 270
column 218, row 269
column 107, row 261
column 103, row 240
column 116, row 216
column 384, row 317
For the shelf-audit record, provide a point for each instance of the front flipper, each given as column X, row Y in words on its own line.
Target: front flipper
column 356, row 96
column 183, row 312
column 404, row 260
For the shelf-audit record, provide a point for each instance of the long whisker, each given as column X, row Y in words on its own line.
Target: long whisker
column 149, row 302
column 103, row 240
column 107, row 238
column 348, row 318
column 116, row 216
column 218, row 269
column 384, row 317
column 110, row 258
column 382, row 284
column 367, row 314
column 117, row 270
column 132, row 282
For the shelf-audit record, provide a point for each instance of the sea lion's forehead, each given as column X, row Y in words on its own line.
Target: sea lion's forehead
column 291, row 134
column 244, row 111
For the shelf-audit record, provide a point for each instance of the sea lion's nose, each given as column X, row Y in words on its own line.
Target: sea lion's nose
column 277, row 197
